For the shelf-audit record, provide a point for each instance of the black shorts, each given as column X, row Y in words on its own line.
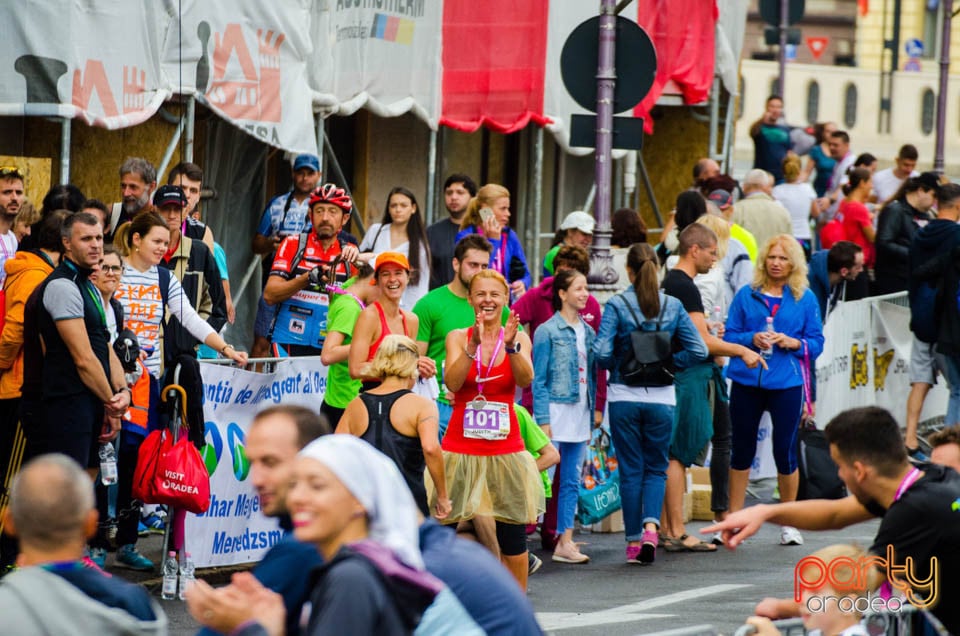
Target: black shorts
column 68, row 425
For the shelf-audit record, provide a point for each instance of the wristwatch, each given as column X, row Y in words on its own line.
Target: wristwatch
column 514, row 349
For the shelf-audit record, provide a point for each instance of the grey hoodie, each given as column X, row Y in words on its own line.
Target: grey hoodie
column 35, row 601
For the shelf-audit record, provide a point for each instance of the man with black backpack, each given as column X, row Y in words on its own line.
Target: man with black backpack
column 304, row 265
column 699, row 421
column 930, row 304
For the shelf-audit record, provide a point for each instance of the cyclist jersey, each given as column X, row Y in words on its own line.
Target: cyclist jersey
column 302, row 318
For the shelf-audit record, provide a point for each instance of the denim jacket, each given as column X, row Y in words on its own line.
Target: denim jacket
column 556, row 373
column 613, row 341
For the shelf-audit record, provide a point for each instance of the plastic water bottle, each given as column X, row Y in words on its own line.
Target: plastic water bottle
column 716, row 319
column 186, row 575
column 169, row 591
column 768, row 351
column 108, row 464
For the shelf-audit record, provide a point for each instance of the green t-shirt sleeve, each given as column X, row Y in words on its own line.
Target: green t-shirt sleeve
column 423, row 311
column 548, row 259
column 343, row 316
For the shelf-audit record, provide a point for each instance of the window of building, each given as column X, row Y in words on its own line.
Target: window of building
column 850, row 105
column 932, row 27
column 813, row 102
column 927, row 108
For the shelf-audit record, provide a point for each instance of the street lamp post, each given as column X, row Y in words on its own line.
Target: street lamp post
column 601, row 266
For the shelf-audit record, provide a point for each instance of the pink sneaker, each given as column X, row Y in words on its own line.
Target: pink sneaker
column 633, row 552
column 648, row 551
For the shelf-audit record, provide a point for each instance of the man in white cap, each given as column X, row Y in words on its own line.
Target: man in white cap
column 576, row 230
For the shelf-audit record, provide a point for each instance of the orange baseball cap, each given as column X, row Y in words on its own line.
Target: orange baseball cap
column 388, row 258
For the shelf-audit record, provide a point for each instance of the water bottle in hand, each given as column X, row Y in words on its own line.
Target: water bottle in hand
column 169, row 590
column 186, row 575
column 767, row 351
column 716, row 319
column 108, row 464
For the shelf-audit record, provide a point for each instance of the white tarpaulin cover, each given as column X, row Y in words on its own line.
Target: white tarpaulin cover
column 267, row 67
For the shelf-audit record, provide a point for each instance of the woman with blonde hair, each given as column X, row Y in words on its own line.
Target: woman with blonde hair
column 489, row 472
column 488, row 213
column 799, row 198
column 398, row 423
column 779, row 317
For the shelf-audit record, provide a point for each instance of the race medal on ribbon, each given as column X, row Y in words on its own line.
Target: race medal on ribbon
column 486, row 420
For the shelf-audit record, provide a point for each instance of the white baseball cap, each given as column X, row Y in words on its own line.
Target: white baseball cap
column 578, row 220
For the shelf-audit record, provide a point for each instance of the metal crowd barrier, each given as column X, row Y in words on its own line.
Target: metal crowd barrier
column 268, row 364
column 908, row 622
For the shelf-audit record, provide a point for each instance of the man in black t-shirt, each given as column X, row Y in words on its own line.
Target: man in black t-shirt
column 919, row 506
column 699, row 422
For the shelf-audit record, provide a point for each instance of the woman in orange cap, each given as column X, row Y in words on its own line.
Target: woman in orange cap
column 384, row 317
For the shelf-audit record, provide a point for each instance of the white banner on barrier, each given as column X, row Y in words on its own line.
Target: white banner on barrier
column 866, row 362
column 234, row 530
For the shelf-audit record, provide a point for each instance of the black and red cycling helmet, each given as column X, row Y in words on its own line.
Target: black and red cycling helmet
column 331, row 193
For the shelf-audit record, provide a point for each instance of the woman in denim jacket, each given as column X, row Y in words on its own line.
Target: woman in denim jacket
column 564, row 392
column 641, row 418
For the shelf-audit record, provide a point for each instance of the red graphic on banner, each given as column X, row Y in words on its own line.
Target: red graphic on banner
column 257, row 95
column 817, row 46
column 93, row 78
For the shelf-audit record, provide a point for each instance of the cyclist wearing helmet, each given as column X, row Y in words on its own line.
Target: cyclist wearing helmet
column 295, row 286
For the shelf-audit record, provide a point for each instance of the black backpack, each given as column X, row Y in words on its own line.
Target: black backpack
column 649, row 361
column 818, row 472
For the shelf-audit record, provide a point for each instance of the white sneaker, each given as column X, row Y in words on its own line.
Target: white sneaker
column 790, row 536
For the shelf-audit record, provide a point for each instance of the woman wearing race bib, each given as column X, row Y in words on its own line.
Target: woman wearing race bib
column 384, row 317
column 489, row 474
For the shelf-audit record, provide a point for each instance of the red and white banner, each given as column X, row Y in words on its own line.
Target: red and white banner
column 268, row 67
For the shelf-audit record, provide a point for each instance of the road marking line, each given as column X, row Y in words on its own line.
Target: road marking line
column 554, row 621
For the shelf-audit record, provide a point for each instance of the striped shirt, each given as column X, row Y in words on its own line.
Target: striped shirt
column 139, row 293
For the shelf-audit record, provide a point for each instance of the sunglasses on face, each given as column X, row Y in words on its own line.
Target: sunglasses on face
column 111, row 269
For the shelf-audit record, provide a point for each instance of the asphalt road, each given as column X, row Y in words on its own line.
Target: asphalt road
column 609, row 597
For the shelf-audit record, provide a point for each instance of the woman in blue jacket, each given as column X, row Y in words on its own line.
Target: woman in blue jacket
column 778, row 296
column 507, row 257
column 564, row 394
column 641, row 417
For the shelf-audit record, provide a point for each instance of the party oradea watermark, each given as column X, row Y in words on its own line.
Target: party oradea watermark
column 848, row 579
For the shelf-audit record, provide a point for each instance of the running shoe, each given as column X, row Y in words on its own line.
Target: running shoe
column 633, row 554
column 128, row 557
column 142, row 530
column 535, row 563
column 99, row 556
column 155, row 523
column 648, row 551
column 790, row 536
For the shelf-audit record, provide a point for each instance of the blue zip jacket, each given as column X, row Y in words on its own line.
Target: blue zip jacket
column 514, row 248
column 556, row 373
column 797, row 319
column 613, row 341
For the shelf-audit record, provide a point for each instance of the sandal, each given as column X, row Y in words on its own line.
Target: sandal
column 678, row 545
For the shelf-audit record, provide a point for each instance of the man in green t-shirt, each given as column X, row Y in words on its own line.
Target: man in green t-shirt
column 345, row 308
column 446, row 308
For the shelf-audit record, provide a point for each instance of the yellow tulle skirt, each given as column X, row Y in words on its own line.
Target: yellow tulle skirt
column 505, row 487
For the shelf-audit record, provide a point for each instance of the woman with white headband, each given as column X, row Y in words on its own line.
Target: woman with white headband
column 350, row 501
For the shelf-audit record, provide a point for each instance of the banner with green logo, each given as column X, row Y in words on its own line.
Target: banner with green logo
column 234, row 530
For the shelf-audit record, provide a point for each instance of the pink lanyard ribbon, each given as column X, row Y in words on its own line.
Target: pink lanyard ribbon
column 886, row 589
column 493, row 359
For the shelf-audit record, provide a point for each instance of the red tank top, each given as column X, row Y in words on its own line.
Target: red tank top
column 502, row 388
column 384, row 330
